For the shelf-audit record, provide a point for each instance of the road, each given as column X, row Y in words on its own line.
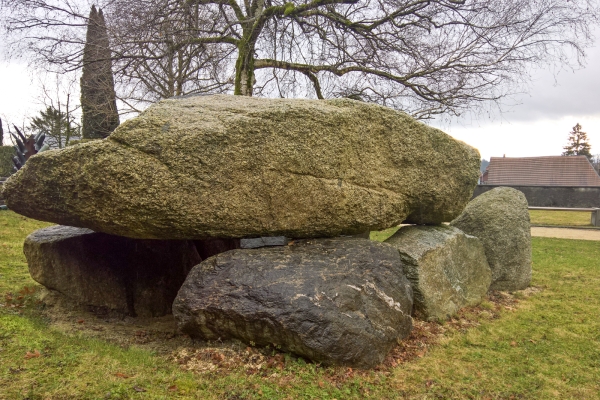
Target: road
column 566, row 233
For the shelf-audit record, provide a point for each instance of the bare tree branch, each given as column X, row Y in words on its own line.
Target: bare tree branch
column 425, row 57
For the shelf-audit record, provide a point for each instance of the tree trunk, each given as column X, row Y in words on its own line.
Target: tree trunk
column 244, row 69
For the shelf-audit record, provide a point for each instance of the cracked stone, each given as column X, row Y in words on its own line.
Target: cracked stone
column 446, row 267
column 341, row 301
column 234, row 166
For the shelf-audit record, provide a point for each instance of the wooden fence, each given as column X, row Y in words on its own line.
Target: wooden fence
column 595, row 220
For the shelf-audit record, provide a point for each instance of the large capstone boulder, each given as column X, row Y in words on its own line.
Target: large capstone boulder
column 337, row 301
column 234, row 167
column 500, row 219
column 447, row 269
column 132, row 276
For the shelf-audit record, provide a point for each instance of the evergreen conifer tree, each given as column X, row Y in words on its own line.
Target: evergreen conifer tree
column 578, row 144
column 98, row 99
column 56, row 125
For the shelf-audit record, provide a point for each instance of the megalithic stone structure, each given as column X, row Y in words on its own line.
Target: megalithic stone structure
column 234, row 167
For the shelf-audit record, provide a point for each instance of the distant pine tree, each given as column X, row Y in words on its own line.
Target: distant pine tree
column 578, row 144
column 56, row 125
column 98, row 98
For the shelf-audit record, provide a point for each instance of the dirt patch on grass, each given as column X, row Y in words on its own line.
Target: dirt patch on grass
column 159, row 334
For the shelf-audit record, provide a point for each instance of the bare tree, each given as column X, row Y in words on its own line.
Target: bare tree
column 156, row 54
column 153, row 56
column 426, row 57
column 59, row 119
column 595, row 160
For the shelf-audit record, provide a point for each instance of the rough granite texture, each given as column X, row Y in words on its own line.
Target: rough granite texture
column 136, row 277
column 446, row 268
column 500, row 219
column 338, row 301
column 233, row 166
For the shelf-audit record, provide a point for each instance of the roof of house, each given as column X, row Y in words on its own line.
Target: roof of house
column 542, row 171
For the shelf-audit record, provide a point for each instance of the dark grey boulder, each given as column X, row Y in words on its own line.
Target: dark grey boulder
column 446, row 267
column 136, row 277
column 500, row 219
column 338, row 301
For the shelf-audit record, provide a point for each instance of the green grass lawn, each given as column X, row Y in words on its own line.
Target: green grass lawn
column 560, row 218
column 545, row 343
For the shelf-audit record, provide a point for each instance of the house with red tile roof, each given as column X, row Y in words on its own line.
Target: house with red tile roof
column 541, row 171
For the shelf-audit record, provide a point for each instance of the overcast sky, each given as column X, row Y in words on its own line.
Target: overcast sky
column 540, row 121
column 537, row 125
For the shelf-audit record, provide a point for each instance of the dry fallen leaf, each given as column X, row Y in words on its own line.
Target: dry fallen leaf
column 80, row 321
column 172, row 388
column 513, row 343
column 139, row 389
column 29, row 355
column 122, row 375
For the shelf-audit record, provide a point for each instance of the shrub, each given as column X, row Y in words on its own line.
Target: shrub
column 6, row 164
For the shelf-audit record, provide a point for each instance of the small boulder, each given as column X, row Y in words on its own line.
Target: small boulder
column 500, row 219
column 447, row 269
column 336, row 301
column 136, row 277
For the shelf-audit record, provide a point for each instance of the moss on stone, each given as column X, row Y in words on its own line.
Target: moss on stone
column 234, row 166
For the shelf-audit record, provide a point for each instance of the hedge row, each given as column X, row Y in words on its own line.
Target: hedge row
column 6, row 155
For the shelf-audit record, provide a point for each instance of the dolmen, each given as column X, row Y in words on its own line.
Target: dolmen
column 248, row 219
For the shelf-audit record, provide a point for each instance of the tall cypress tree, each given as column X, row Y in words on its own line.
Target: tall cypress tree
column 98, row 98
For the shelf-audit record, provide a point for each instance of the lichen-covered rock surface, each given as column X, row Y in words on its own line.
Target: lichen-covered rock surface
column 500, row 219
column 338, row 301
column 233, row 166
column 447, row 269
column 135, row 277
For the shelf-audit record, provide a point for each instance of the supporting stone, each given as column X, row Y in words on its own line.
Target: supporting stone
column 500, row 219
column 447, row 269
column 337, row 301
column 136, row 277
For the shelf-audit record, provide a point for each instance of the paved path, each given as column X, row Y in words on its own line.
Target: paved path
column 566, row 233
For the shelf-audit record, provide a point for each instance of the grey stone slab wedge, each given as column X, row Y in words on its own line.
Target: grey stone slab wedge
column 235, row 166
column 337, row 301
column 447, row 269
